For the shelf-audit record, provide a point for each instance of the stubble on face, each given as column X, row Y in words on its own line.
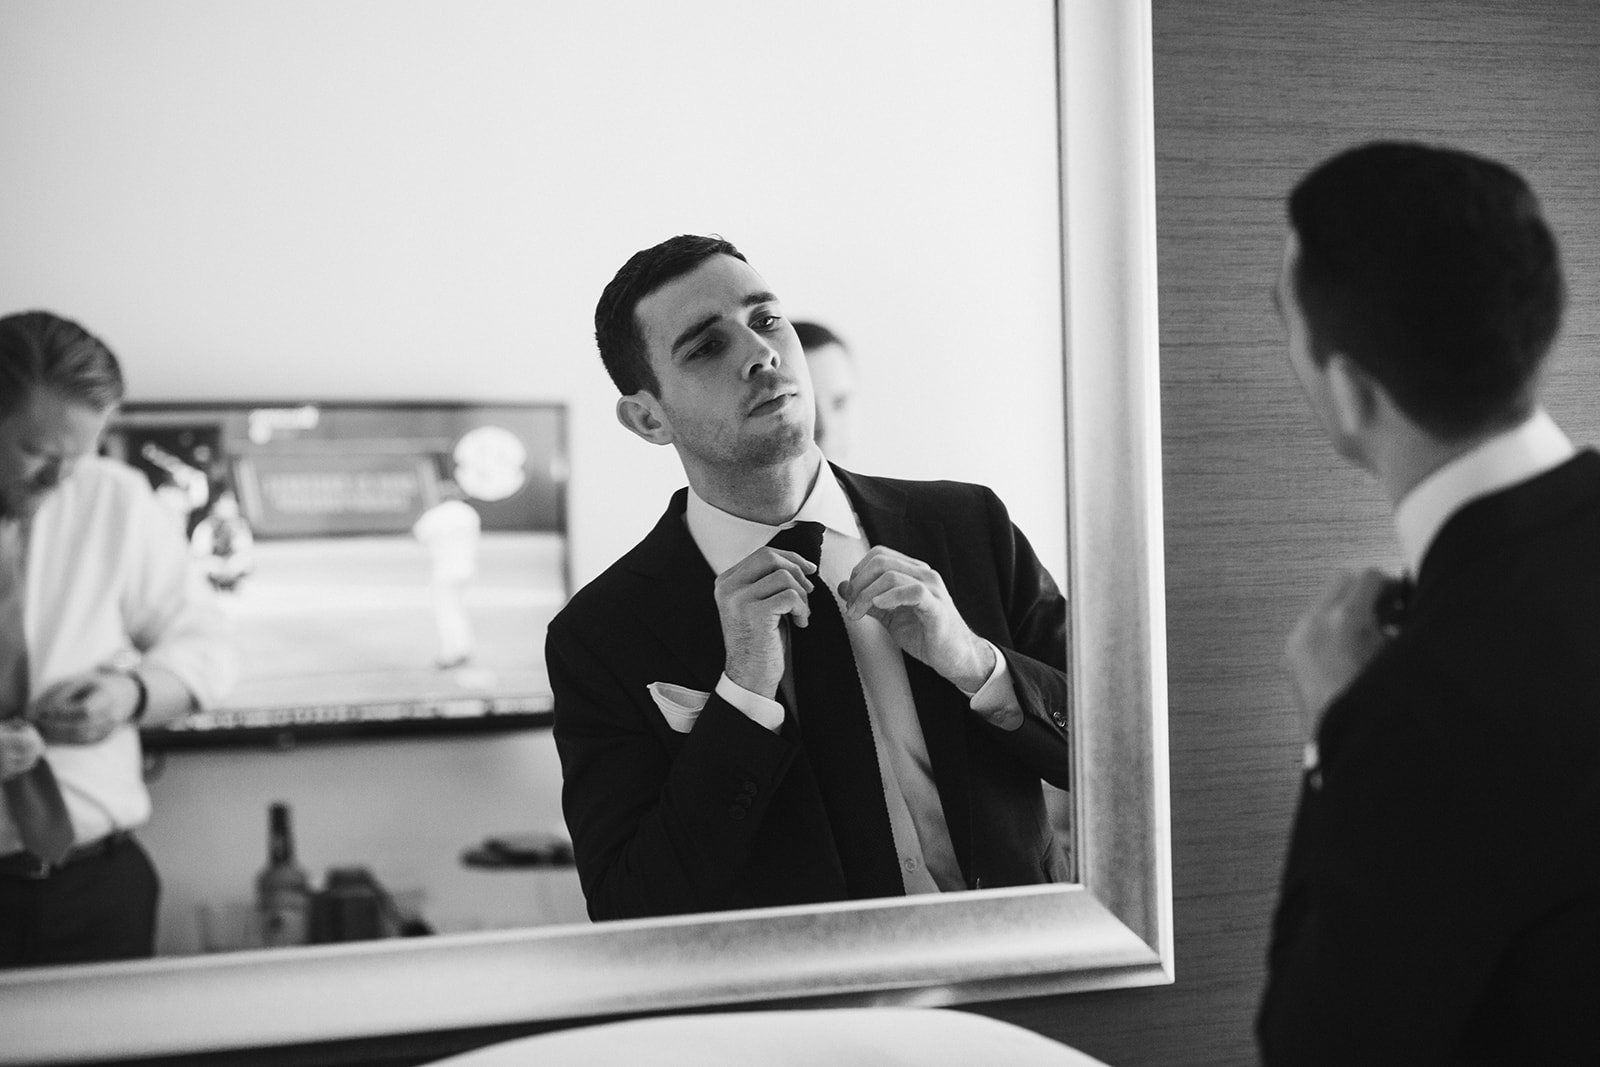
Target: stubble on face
column 703, row 332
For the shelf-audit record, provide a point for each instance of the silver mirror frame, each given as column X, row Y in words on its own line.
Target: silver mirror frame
column 1113, row 929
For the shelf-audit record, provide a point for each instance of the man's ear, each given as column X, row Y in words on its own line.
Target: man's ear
column 1356, row 395
column 641, row 413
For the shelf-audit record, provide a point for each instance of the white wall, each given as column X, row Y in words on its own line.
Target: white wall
column 391, row 199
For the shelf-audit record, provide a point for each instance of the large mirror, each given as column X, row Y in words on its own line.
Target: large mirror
column 420, row 200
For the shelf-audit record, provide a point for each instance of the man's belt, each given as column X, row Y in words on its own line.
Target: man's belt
column 25, row 864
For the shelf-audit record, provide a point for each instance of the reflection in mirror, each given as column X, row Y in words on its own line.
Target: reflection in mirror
column 781, row 695
column 416, row 201
column 427, row 213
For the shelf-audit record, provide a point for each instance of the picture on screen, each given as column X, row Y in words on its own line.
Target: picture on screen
column 381, row 564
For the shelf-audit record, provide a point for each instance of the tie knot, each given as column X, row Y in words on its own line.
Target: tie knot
column 803, row 537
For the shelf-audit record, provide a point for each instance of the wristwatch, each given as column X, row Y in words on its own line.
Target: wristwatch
column 142, row 705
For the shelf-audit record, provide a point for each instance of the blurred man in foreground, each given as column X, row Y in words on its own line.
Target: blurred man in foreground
column 1441, row 896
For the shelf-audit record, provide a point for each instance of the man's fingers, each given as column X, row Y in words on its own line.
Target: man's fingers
column 792, row 603
column 880, row 560
column 885, row 592
column 781, row 591
column 97, row 700
column 766, row 559
column 772, row 584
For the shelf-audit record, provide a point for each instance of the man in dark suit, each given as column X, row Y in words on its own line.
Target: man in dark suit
column 742, row 723
column 1441, row 896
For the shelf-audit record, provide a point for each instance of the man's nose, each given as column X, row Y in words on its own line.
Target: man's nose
column 761, row 357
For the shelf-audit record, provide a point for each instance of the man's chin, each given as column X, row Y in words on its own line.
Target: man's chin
column 789, row 443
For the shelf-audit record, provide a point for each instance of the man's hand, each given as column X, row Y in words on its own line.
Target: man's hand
column 1334, row 641
column 20, row 748
column 752, row 597
column 909, row 598
column 84, row 708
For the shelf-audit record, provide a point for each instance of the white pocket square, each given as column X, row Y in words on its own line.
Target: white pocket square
column 679, row 705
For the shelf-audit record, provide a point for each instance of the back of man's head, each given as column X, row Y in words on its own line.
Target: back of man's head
column 814, row 335
column 41, row 350
column 616, row 326
column 1431, row 269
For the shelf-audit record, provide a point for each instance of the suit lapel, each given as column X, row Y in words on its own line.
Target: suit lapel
column 684, row 615
column 888, row 518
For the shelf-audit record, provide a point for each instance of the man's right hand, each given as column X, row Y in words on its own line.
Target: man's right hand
column 753, row 596
column 1334, row 641
column 20, row 748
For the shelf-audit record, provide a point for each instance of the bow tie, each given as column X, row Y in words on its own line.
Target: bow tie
column 1393, row 600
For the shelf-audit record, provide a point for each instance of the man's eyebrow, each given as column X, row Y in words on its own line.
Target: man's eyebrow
column 701, row 325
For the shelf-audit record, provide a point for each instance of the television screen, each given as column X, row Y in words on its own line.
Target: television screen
column 387, row 568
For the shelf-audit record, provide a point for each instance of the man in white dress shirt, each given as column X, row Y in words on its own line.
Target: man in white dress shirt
column 1441, row 896
column 103, row 627
column 702, row 769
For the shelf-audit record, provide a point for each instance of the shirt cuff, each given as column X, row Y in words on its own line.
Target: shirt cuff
column 760, row 710
column 996, row 699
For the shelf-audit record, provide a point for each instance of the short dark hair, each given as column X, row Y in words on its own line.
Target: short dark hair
column 616, row 324
column 39, row 349
column 1431, row 269
column 814, row 335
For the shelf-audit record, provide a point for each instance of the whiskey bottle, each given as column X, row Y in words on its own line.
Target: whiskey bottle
column 283, row 892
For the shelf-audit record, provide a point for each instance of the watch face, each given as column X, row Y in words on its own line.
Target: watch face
column 490, row 462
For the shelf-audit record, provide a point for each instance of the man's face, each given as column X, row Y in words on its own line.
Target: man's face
column 1313, row 379
column 40, row 444
column 833, row 380
column 735, row 392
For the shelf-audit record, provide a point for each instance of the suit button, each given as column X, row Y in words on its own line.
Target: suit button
column 748, row 788
column 742, row 801
column 737, row 813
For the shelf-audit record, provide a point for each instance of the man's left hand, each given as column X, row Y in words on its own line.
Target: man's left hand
column 1334, row 641
column 909, row 598
column 84, row 708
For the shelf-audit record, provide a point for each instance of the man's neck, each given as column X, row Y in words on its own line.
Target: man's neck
column 1410, row 459
column 770, row 494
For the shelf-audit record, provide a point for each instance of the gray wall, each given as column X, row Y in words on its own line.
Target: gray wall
column 1259, row 513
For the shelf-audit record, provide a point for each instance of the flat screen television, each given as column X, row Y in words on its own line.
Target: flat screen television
column 387, row 568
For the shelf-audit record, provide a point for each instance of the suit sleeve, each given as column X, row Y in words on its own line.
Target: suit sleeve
column 1431, row 861
column 654, row 831
column 1035, row 647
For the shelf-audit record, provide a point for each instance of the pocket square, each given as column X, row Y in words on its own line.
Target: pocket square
column 679, row 705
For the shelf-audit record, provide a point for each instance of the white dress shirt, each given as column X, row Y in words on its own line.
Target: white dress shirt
column 922, row 838
column 1533, row 447
column 108, row 583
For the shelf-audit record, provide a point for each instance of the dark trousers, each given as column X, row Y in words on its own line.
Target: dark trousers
column 101, row 906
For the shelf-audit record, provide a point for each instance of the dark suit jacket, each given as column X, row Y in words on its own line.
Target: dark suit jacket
column 728, row 815
column 1441, row 897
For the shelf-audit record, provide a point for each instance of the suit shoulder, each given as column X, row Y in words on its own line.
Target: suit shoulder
column 605, row 594
column 939, row 494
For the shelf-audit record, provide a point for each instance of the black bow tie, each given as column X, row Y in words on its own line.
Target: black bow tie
column 1393, row 600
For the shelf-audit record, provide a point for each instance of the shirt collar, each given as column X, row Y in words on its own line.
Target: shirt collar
column 1533, row 447
column 725, row 539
